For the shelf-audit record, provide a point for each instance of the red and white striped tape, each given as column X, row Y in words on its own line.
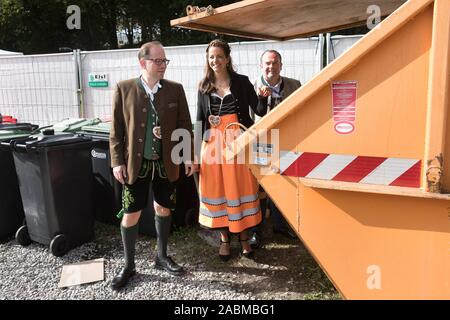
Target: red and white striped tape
column 349, row 168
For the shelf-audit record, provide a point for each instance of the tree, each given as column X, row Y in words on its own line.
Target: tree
column 39, row 26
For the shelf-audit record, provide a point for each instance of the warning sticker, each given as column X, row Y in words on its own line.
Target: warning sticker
column 344, row 106
column 263, row 148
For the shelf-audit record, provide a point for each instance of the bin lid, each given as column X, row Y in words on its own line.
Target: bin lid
column 12, row 134
column 7, row 119
column 102, row 127
column 9, row 131
column 74, row 124
column 18, row 126
column 54, row 140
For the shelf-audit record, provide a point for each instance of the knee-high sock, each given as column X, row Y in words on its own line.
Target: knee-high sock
column 129, row 236
column 162, row 225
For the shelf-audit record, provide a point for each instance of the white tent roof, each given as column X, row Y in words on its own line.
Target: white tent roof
column 4, row 53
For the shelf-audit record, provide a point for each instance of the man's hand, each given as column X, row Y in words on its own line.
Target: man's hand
column 264, row 91
column 120, row 173
column 190, row 169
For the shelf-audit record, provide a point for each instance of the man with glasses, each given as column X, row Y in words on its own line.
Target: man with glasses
column 146, row 111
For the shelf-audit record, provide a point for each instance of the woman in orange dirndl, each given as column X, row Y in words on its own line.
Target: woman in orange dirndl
column 228, row 191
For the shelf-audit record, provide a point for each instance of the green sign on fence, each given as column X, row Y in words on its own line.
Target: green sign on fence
column 98, row 80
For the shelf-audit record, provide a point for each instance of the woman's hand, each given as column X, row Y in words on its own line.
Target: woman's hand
column 190, row 169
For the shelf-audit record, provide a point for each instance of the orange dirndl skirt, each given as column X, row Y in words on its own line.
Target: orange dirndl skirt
column 228, row 190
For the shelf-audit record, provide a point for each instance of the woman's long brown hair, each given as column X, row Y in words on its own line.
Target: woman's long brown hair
column 207, row 83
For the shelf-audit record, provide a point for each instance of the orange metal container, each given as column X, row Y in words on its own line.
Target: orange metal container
column 359, row 201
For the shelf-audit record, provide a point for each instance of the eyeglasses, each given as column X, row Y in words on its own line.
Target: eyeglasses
column 158, row 62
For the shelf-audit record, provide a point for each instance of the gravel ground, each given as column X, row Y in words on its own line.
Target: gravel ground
column 282, row 269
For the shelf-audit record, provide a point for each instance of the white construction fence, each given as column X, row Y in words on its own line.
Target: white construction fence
column 44, row 89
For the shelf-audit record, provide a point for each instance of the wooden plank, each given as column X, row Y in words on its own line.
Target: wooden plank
column 359, row 187
column 200, row 27
column 285, row 19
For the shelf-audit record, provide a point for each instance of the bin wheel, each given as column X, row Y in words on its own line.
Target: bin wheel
column 58, row 245
column 190, row 217
column 23, row 237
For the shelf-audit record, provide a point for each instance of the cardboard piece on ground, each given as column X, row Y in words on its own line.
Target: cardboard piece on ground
column 82, row 272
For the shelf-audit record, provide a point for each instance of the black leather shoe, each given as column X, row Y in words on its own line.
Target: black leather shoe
column 121, row 279
column 169, row 265
column 255, row 240
column 225, row 257
column 247, row 254
column 286, row 232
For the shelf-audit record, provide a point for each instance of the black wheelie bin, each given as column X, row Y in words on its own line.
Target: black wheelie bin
column 187, row 205
column 107, row 190
column 56, row 183
column 11, row 208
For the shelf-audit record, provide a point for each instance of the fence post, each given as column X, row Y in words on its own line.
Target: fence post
column 328, row 48
column 321, row 50
column 79, row 82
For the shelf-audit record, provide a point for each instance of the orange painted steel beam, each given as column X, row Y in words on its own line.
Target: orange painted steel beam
column 438, row 88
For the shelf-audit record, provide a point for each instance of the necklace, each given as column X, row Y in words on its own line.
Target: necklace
column 156, row 128
column 215, row 120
